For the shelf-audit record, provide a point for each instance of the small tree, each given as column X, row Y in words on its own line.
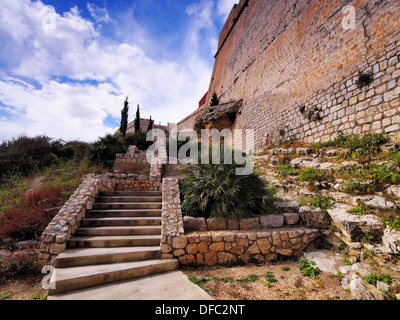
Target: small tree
column 150, row 126
column 124, row 118
column 214, row 100
column 137, row 120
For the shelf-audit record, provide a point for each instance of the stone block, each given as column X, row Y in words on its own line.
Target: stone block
column 314, row 218
column 194, row 224
column 272, row 221
column 249, row 224
column 217, row 223
column 291, row 218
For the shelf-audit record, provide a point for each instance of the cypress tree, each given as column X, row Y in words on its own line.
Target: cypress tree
column 137, row 120
column 150, row 126
column 124, row 118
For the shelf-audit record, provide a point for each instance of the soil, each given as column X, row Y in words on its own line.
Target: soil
column 290, row 284
column 22, row 287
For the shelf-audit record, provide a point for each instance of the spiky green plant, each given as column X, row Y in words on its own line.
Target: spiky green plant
column 216, row 191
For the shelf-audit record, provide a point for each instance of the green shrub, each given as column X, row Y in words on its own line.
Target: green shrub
column 362, row 209
column 103, row 151
column 217, row 191
column 374, row 278
column 360, row 147
column 320, row 201
column 25, row 155
column 368, row 179
column 287, row 170
column 311, row 175
column 308, row 268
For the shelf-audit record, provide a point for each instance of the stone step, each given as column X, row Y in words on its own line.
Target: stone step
column 124, row 213
column 115, row 231
column 92, row 256
column 130, row 193
column 75, row 278
column 138, row 205
column 127, row 199
column 114, row 241
column 121, row 221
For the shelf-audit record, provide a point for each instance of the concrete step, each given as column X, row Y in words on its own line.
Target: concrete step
column 124, row 213
column 130, row 193
column 121, row 221
column 114, row 241
column 92, row 256
column 138, row 205
column 115, row 231
column 127, row 199
column 75, row 278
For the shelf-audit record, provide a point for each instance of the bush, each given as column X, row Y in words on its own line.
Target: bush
column 308, row 268
column 103, row 151
column 359, row 147
column 24, row 155
column 216, row 191
column 19, row 263
column 287, row 170
column 374, row 278
column 368, row 179
column 322, row 202
column 29, row 219
column 311, row 175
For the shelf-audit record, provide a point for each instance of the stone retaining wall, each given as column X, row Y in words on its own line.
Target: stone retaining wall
column 64, row 224
column 215, row 247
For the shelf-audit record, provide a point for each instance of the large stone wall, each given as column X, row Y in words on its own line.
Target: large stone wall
column 279, row 56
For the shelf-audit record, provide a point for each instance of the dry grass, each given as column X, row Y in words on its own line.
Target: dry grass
column 290, row 284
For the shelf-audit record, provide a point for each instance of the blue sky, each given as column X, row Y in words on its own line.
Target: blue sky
column 67, row 66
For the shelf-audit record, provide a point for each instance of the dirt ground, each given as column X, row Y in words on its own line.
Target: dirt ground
column 289, row 284
column 26, row 287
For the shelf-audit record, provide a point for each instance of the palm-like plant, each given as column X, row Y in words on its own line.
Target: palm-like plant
column 215, row 191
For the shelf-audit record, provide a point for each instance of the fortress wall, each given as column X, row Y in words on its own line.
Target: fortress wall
column 281, row 55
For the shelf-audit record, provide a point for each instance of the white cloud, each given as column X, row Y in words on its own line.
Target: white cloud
column 68, row 81
column 99, row 14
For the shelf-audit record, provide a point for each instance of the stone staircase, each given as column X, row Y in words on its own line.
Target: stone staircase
column 174, row 170
column 118, row 240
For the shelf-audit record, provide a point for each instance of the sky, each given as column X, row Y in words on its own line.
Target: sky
column 66, row 67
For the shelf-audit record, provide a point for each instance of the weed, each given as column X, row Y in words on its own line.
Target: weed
column 6, row 296
column 250, row 278
column 374, row 278
column 308, row 268
column 287, row 170
column 320, row 201
column 269, row 276
column 285, row 268
column 364, row 79
column 310, row 175
column 39, row 297
column 362, row 209
column 339, row 275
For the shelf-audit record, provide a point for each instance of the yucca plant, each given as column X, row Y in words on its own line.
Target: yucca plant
column 214, row 190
